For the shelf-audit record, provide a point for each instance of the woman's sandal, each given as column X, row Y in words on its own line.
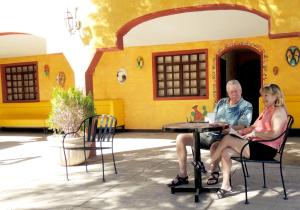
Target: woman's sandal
column 222, row 193
column 178, row 181
column 213, row 179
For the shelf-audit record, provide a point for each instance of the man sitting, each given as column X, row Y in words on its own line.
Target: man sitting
column 233, row 110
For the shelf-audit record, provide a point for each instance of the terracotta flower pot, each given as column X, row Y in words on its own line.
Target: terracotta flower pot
column 74, row 157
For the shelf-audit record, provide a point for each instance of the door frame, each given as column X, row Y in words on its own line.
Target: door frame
column 235, row 47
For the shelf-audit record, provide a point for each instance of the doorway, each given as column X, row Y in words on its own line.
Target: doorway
column 245, row 66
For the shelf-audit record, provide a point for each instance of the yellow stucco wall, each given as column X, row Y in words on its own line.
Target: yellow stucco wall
column 105, row 17
column 142, row 112
column 57, row 63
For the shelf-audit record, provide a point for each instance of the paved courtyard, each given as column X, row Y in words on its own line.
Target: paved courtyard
column 31, row 179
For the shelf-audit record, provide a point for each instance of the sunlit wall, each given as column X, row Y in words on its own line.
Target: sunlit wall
column 143, row 112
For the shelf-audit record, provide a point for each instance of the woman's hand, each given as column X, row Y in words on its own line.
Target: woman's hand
column 245, row 131
column 250, row 135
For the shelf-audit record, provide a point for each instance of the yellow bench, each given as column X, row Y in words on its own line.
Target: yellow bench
column 35, row 114
column 113, row 107
column 25, row 115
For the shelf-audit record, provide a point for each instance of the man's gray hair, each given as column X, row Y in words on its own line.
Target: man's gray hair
column 233, row 82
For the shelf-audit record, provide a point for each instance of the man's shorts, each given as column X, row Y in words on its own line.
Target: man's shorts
column 208, row 138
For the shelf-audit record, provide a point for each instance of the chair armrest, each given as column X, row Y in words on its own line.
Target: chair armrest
column 73, row 132
column 260, row 141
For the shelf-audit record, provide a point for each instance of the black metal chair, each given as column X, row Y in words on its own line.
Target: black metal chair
column 277, row 160
column 97, row 134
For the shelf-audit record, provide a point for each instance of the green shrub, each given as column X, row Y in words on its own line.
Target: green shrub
column 69, row 108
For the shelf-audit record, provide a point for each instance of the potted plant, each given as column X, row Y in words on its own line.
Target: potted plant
column 69, row 108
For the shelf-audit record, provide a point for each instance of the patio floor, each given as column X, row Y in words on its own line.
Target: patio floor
column 30, row 178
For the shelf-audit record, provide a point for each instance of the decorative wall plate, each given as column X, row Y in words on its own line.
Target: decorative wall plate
column 292, row 55
column 61, row 78
column 275, row 70
column 121, row 75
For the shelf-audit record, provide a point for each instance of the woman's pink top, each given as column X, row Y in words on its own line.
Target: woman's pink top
column 264, row 124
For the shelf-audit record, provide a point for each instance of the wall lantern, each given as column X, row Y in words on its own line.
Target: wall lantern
column 140, row 62
column 46, row 70
column 72, row 23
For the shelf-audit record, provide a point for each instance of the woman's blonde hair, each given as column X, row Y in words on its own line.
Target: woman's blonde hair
column 274, row 89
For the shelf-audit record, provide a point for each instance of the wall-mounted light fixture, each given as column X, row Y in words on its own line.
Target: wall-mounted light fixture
column 72, row 23
column 46, row 70
column 139, row 62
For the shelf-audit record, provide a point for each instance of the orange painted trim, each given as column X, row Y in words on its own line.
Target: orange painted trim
column 89, row 85
column 181, row 98
column 154, row 81
column 12, row 33
column 131, row 24
column 109, row 49
column 284, row 35
column 3, row 81
column 180, row 52
column 219, row 55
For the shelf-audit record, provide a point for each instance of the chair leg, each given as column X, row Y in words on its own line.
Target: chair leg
column 245, row 181
column 112, row 152
column 102, row 158
column 66, row 164
column 193, row 151
column 283, row 185
column 247, row 174
column 264, row 175
column 85, row 161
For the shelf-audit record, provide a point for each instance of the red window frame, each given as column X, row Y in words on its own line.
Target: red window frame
column 158, row 72
column 24, row 78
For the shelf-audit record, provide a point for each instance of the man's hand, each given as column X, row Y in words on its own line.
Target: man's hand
column 225, row 131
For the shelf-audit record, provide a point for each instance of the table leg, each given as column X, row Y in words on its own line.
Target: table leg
column 196, row 154
column 199, row 168
column 197, row 173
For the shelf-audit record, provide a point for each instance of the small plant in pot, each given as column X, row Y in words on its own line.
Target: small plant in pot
column 69, row 108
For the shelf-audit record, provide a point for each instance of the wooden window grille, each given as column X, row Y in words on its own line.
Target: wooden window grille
column 180, row 74
column 19, row 82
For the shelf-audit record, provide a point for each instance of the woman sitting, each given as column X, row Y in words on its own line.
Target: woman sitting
column 270, row 123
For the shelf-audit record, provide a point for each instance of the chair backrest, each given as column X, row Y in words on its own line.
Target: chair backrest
column 99, row 128
column 106, row 127
column 286, row 132
column 89, row 128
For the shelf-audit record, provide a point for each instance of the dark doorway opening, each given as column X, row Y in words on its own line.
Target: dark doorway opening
column 245, row 66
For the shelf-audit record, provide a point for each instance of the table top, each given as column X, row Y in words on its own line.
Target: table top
column 189, row 127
